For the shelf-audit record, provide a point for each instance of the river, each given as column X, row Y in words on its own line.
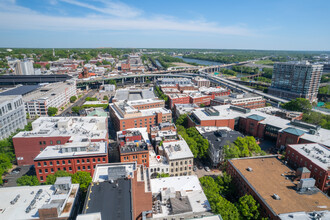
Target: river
column 200, row 62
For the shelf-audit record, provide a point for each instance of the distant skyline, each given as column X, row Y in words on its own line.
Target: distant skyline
column 237, row 24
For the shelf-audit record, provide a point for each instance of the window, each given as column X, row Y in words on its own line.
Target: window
column 40, row 142
column 78, row 167
column 40, row 171
column 58, row 168
column 41, row 149
column 51, row 170
column 185, row 162
column 83, row 167
column 46, row 170
column 50, row 163
column 87, row 160
column 45, row 163
column 64, row 168
column 69, row 161
column 39, row 164
column 94, row 160
column 78, row 161
column 63, row 162
column 58, row 142
column 44, row 142
column 51, row 142
column 88, row 167
column 82, row 161
column 98, row 160
column 58, row 162
column 41, row 178
column 70, row 168
column 103, row 159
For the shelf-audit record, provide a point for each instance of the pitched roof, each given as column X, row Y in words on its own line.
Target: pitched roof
column 294, row 131
column 256, row 117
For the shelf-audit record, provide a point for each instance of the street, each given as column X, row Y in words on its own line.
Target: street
column 78, row 103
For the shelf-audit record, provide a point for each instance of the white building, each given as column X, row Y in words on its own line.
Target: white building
column 178, row 198
column 12, row 115
column 24, row 68
column 51, row 95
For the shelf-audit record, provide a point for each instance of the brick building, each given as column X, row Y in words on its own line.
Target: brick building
column 50, row 131
column 272, row 185
column 260, row 125
column 70, row 157
column 124, row 116
column 134, row 146
column 178, row 98
column 246, row 100
column 315, row 158
column 121, row 190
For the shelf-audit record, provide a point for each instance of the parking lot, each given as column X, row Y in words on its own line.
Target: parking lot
column 12, row 177
column 202, row 172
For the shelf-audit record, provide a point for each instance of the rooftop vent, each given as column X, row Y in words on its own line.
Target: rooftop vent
column 249, row 169
column 277, row 197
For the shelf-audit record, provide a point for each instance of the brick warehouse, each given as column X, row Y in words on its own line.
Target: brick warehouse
column 315, row 158
column 275, row 191
column 260, row 125
column 47, row 131
column 70, row 157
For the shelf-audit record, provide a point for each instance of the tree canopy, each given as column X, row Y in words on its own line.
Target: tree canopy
column 52, row 111
column 81, row 177
column 298, row 104
column 28, row 181
column 242, row 147
column 248, row 207
column 73, row 99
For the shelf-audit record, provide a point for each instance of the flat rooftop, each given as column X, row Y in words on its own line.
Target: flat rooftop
column 177, row 150
column 60, row 151
column 321, row 136
column 47, row 91
column 221, row 137
column 186, row 183
column 8, row 98
column 78, row 128
column 316, row 153
column 101, row 170
column 27, row 194
column 112, row 200
column 237, row 96
column 20, row 90
column 133, row 94
column 266, row 179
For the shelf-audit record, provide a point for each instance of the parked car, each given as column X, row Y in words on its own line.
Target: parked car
column 207, row 169
column 195, row 168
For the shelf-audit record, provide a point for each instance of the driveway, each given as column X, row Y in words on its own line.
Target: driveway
column 13, row 177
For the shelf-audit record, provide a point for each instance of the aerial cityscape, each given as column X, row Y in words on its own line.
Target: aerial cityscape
column 141, row 110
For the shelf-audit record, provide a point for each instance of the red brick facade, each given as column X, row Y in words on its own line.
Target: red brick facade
column 297, row 160
column 178, row 100
column 250, row 105
column 140, row 157
column 71, row 165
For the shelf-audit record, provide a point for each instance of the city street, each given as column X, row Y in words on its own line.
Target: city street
column 78, row 102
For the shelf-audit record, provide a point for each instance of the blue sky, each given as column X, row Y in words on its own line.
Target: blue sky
column 234, row 24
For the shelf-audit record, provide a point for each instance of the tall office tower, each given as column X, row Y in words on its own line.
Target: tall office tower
column 296, row 80
column 24, row 68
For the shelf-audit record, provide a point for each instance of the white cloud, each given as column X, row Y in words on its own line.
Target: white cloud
column 111, row 19
column 117, row 9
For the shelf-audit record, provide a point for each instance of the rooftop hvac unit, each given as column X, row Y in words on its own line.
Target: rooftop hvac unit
column 249, row 169
column 306, row 183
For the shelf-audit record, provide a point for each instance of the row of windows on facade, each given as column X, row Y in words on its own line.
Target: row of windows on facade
column 181, row 163
column 9, row 107
column 12, row 125
column 64, row 168
column 69, row 162
column 149, row 106
column 182, row 174
column 50, row 142
column 305, row 164
column 181, row 169
column 12, row 117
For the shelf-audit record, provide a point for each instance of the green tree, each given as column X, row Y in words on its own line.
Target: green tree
column 28, row 181
column 222, row 206
column 182, row 120
column 36, row 65
column 73, row 99
column 76, row 109
column 231, row 151
column 248, row 207
column 47, row 66
column 90, row 99
column 83, row 178
column 106, row 98
column 298, row 104
column 52, row 111
column 50, row 180
column 162, row 175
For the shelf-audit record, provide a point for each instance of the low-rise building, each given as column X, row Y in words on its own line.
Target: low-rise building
column 58, row 201
column 134, row 146
column 178, row 198
column 70, row 157
column 51, row 95
column 178, row 98
column 272, row 185
column 181, row 109
column 120, row 191
column 12, row 115
column 313, row 157
column 50, row 131
column 260, row 125
column 125, row 116
column 246, row 100
column 201, row 82
column 218, row 137
column 179, row 157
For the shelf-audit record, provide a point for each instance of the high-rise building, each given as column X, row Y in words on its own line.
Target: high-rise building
column 296, row 80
